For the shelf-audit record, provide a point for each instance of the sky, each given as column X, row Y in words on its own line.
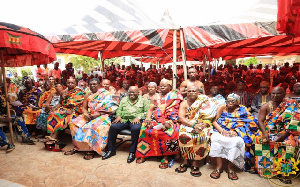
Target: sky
column 45, row 17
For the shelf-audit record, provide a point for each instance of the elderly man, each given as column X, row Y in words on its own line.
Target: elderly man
column 132, row 110
column 260, row 98
column 90, row 130
column 106, row 85
column 159, row 133
column 28, row 97
column 278, row 142
column 16, row 120
column 235, row 128
column 69, row 107
column 191, row 82
column 195, row 116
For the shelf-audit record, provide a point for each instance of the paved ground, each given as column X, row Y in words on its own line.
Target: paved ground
column 32, row 165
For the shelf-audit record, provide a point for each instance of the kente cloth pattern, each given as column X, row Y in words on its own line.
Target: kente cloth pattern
column 41, row 120
column 230, row 148
column 44, row 96
column 280, row 157
column 29, row 97
column 195, row 146
column 93, row 135
column 245, row 125
column 153, row 142
column 71, row 99
column 3, row 140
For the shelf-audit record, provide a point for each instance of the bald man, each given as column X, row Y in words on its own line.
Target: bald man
column 279, row 130
column 260, row 98
column 191, row 82
column 106, row 85
column 130, row 114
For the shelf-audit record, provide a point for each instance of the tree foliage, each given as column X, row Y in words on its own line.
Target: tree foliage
column 87, row 62
column 84, row 62
column 115, row 61
column 247, row 62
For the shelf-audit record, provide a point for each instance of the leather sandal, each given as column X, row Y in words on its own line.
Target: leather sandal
column 141, row 160
column 216, row 173
column 89, row 155
column 232, row 175
column 10, row 148
column 164, row 164
column 195, row 169
column 71, row 152
column 182, row 168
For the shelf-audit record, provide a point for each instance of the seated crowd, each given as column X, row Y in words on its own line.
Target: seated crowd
column 243, row 118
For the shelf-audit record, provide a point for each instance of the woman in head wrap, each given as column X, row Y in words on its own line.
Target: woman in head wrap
column 235, row 128
column 151, row 91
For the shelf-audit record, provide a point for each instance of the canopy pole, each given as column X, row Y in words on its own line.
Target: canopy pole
column 183, row 55
column 6, row 98
column 101, row 61
column 209, row 59
column 174, row 58
column 204, row 65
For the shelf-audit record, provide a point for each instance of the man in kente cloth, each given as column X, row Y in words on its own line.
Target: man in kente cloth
column 277, row 145
column 195, row 118
column 69, row 107
column 159, row 133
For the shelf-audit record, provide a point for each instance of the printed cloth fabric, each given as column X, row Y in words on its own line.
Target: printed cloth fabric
column 41, row 120
column 195, row 146
column 230, row 148
column 31, row 98
column 154, row 141
column 71, row 99
column 245, row 125
column 93, row 135
column 280, row 157
column 3, row 139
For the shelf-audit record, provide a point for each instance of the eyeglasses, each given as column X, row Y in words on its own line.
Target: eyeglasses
column 231, row 101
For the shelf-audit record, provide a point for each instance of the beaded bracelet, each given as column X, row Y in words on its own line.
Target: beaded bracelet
column 194, row 124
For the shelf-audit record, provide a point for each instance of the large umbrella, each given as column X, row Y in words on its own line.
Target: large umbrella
column 21, row 46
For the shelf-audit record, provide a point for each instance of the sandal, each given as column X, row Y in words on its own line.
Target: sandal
column 216, row 173
column 232, row 175
column 285, row 181
column 182, row 168
column 10, row 148
column 141, row 160
column 28, row 141
column 71, row 152
column 164, row 164
column 195, row 169
column 89, row 155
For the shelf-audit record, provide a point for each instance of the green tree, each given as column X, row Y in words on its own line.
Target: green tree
column 26, row 72
column 85, row 62
column 115, row 61
column 247, row 62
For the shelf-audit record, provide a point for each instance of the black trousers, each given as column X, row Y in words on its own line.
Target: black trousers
column 116, row 128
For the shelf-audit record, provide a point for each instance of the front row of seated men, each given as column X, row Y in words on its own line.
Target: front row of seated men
column 169, row 126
